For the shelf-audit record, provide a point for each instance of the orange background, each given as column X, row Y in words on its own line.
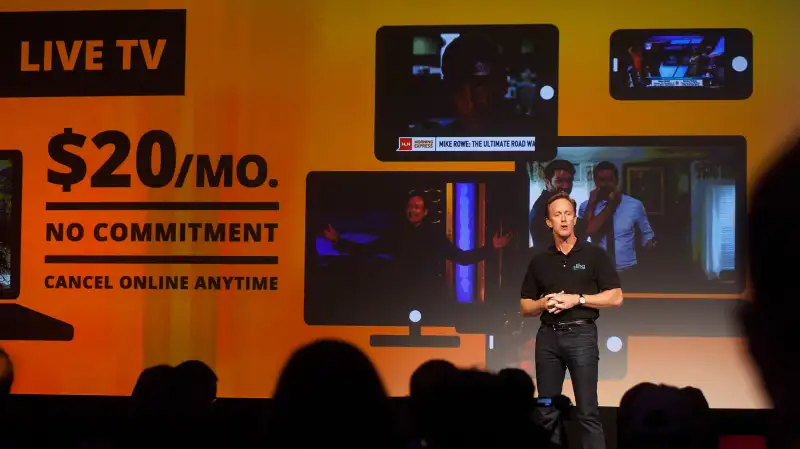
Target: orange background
column 293, row 81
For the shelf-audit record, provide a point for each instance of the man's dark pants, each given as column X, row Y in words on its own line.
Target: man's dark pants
column 573, row 348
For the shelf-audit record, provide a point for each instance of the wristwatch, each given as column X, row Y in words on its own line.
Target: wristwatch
column 581, row 300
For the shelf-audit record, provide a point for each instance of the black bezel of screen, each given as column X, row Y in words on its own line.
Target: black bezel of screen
column 386, row 139
column 739, row 85
column 15, row 156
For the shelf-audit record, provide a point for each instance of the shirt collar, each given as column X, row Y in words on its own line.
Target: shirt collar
column 577, row 247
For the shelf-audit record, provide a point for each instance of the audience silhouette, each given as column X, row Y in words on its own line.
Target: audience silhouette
column 768, row 319
column 6, row 380
column 328, row 396
column 663, row 417
column 427, row 400
column 6, row 374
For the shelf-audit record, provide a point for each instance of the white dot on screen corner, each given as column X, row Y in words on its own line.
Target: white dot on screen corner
column 547, row 92
column 614, row 344
column 415, row 316
column 739, row 63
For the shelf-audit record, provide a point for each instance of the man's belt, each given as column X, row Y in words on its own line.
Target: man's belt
column 566, row 325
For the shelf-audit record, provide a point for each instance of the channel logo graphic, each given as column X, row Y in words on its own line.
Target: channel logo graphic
column 423, row 144
column 406, row 143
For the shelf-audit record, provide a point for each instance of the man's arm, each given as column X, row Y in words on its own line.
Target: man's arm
column 583, row 221
column 541, row 234
column 596, row 223
column 605, row 299
column 607, row 282
column 530, row 305
column 464, row 257
column 647, row 235
column 378, row 246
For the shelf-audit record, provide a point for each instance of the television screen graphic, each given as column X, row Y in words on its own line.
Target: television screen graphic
column 10, row 224
column 681, row 64
column 466, row 92
column 382, row 244
column 669, row 211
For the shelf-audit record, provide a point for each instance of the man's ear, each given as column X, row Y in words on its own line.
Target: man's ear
column 548, row 222
column 425, row 214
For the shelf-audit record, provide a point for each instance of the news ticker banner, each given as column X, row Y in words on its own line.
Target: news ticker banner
column 501, row 144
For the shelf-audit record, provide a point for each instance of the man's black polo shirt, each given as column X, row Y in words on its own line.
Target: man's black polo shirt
column 586, row 270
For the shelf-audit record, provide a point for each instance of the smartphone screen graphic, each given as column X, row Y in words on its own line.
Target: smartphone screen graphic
column 681, row 64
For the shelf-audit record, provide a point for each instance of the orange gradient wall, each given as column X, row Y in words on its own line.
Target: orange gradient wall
column 294, row 81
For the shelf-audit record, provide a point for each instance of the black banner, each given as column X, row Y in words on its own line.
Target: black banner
column 92, row 53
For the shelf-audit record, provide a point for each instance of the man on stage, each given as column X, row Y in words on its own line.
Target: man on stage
column 566, row 285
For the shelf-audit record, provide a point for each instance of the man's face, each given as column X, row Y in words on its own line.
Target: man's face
column 561, row 218
column 560, row 182
column 415, row 210
column 605, row 180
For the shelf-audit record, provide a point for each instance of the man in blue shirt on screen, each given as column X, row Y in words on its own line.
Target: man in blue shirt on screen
column 613, row 219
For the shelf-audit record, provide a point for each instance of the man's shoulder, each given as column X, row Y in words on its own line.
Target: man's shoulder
column 539, row 254
column 631, row 201
column 541, row 202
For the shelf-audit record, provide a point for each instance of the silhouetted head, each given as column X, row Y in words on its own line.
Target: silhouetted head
column 705, row 436
column 472, row 68
column 153, row 390
column 518, row 384
column 697, row 398
column 656, row 416
column 773, row 336
column 6, row 373
column 430, row 376
column 328, row 395
column 482, row 414
column 428, row 390
column 195, row 385
column 468, row 425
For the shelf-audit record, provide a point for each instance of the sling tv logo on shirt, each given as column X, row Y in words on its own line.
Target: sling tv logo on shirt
column 92, row 53
column 578, row 266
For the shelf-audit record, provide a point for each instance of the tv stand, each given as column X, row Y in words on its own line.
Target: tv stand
column 415, row 339
column 21, row 323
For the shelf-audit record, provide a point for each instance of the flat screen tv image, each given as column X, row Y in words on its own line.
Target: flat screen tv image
column 16, row 321
column 10, row 223
column 380, row 245
column 676, row 208
column 682, row 64
column 466, row 92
